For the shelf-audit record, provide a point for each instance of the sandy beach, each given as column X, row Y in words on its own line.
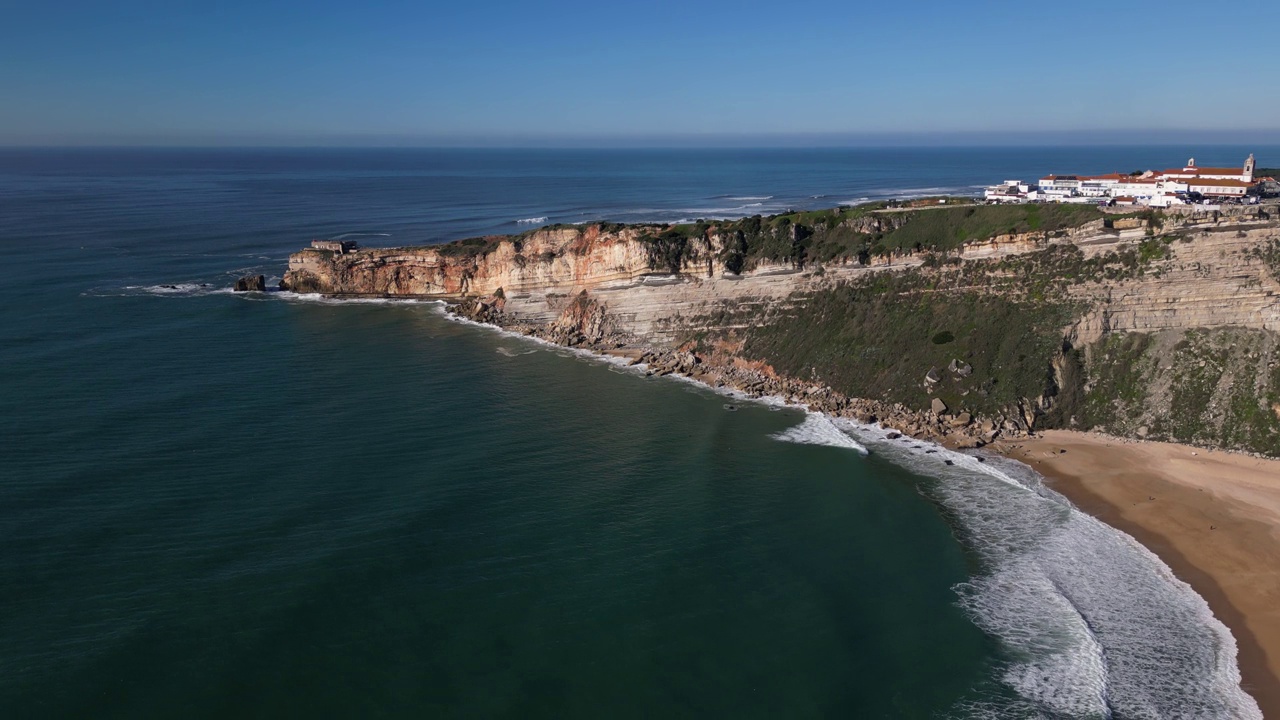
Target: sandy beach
column 1213, row 517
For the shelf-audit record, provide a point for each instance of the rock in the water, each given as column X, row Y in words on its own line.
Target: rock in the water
column 251, row 283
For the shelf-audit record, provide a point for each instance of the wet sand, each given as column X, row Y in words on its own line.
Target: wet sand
column 1213, row 517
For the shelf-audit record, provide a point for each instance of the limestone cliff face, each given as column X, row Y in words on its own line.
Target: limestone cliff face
column 556, row 259
column 603, row 286
column 1211, row 279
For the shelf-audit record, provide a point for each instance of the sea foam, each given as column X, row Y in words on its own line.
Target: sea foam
column 1092, row 623
column 817, row 429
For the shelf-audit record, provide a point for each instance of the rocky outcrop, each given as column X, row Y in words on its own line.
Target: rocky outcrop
column 251, row 283
column 548, row 260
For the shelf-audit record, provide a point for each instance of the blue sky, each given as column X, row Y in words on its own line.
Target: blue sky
column 482, row 72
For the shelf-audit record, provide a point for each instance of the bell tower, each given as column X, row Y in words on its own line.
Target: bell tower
column 1248, row 168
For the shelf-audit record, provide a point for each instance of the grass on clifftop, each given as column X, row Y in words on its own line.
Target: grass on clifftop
column 860, row 233
column 853, row 234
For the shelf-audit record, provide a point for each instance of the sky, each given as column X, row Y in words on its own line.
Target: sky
column 480, row 72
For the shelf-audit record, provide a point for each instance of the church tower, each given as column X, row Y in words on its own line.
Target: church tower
column 1248, row 169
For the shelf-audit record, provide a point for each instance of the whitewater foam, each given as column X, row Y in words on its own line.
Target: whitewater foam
column 166, row 290
column 532, row 220
column 361, row 234
column 1093, row 624
column 818, row 429
column 315, row 299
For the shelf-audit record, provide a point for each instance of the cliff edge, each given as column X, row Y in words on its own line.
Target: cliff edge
column 974, row 320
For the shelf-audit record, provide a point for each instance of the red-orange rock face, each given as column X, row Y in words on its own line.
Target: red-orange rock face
column 552, row 259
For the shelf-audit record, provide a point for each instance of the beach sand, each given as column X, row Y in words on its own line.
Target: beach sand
column 1213, row 517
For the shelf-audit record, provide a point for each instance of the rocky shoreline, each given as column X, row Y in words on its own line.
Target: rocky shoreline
column 585, row 325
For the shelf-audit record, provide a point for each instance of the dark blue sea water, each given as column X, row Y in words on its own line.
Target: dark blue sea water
column 218, row 505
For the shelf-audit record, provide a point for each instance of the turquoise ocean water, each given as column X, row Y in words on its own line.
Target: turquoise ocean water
column 218, row 505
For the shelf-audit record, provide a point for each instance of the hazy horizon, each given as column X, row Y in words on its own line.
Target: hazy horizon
column 1172, row 139
column 576, row 74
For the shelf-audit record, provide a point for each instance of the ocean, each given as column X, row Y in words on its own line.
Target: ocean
column 265, row 505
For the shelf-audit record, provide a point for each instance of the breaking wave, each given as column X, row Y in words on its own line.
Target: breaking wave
column 1092, row 623
column 314, row 299
column 164, row 290
column 817, row 429
column 360, row 234
column 532, row 220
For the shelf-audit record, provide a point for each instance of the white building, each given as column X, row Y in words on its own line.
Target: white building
column 1219, row 188
column 1244, row 174
column 1159, row 188
column 1009, row 191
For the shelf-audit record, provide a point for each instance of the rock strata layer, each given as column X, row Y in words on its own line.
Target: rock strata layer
column 599, row 287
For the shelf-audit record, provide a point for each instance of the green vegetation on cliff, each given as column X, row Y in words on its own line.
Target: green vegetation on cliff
column 1211, row 387
column 842, row 234
column 987, row 337
column 863, row 232
column 1269, row 253
column 894, row 338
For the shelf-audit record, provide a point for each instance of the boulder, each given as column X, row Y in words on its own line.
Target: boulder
column 932, row 377
column 960, row 368
column 938, row 406
column 251, row 283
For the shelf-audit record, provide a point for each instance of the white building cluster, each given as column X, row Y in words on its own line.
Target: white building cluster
column 1155, row 188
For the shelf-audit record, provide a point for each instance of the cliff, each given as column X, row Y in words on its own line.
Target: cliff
column 1062, row 318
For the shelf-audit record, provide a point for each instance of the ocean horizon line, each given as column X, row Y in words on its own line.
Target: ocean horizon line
column 679, row 141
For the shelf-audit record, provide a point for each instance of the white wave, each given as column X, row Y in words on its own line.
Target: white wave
column 817, row 429
column 1095, row 625
column 312, row 298
column 913, row 193
column 532, row 220
column 178, row 289
column 744, row 198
